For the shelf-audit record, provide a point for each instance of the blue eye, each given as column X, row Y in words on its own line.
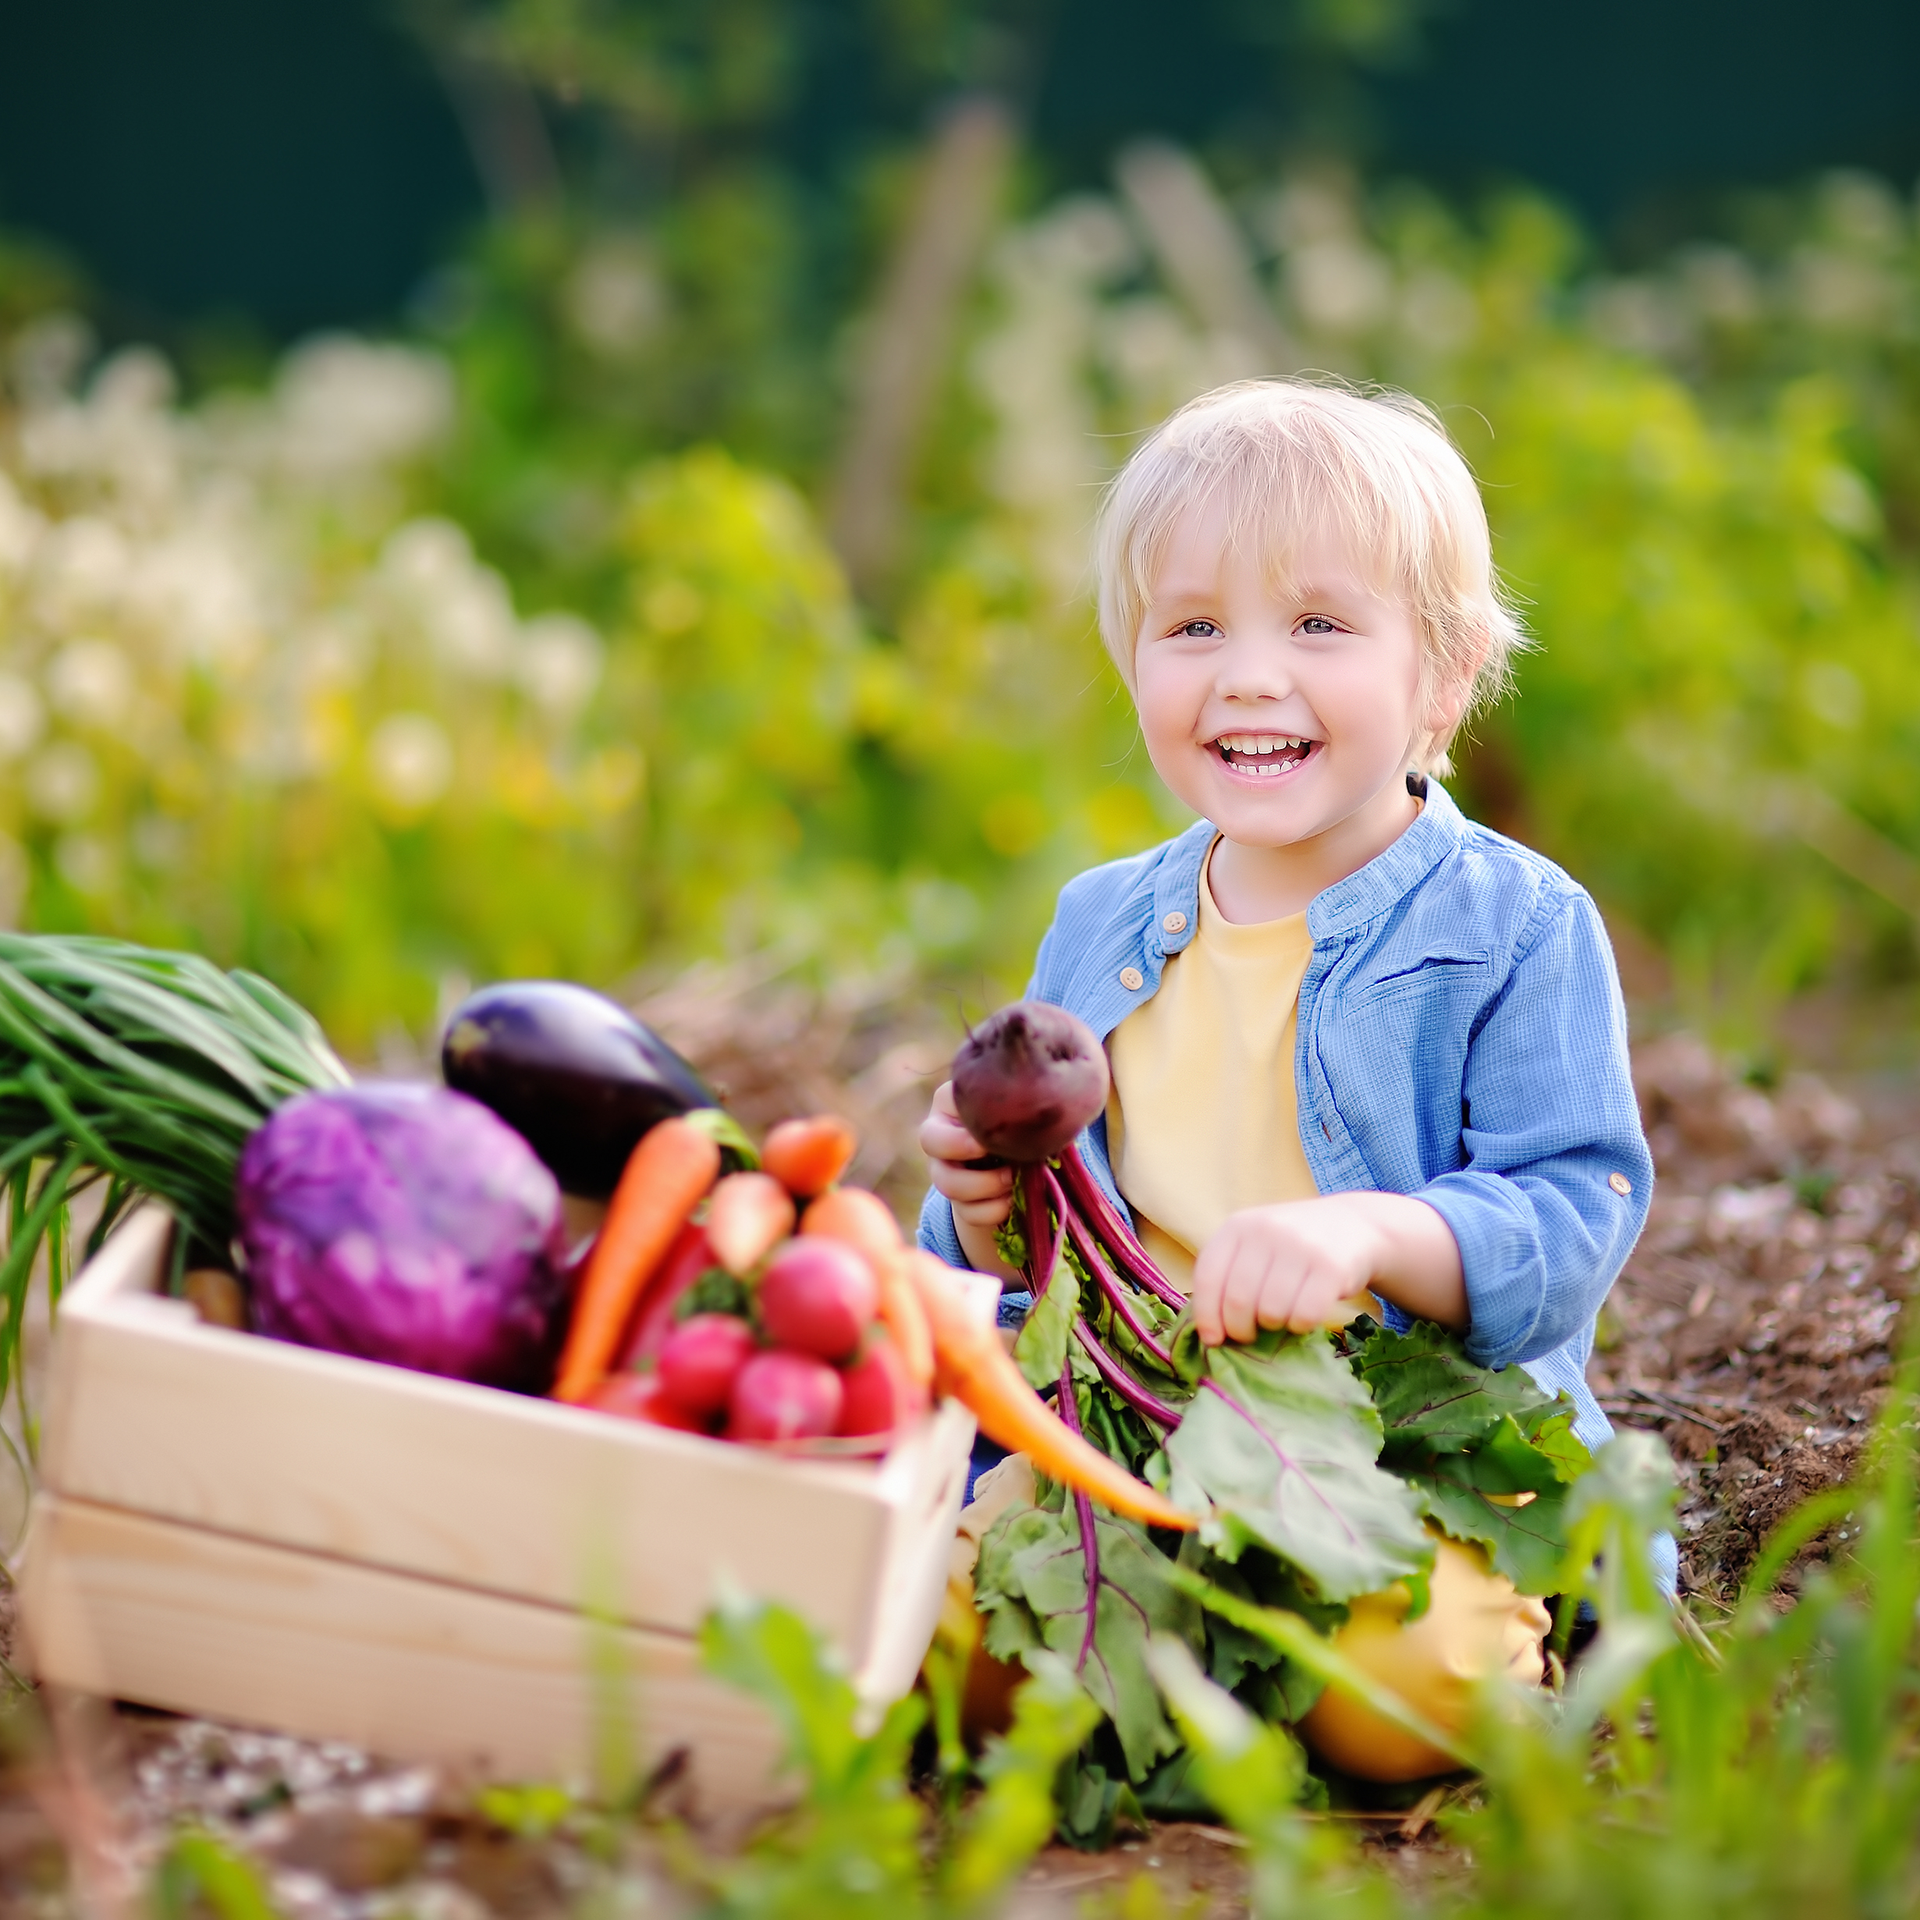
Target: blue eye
column 1318, row 623
column 1197, row 629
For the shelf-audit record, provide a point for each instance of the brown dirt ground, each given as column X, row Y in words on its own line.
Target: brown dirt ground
column 1752, row 1330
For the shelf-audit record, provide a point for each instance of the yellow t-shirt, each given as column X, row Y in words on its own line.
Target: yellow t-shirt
column 1203, row 1118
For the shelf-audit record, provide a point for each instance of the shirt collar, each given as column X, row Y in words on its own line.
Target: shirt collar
column 1344, row 906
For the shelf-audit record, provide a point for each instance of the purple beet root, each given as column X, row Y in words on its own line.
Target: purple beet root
column 1028, row 1079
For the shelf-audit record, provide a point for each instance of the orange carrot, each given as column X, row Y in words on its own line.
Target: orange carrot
column 748, row 1214
column 674, row 1164
column 973, row 1366
column 860, row 1218
column 808, row 1156
column 865, row 1221
column 906, row 1320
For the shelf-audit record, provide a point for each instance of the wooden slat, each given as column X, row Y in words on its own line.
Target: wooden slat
column 140, row 1609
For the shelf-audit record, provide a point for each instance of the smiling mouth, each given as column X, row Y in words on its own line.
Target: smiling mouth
column 1266, row 755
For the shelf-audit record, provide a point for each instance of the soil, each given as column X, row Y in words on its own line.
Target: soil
column 1753, row 1330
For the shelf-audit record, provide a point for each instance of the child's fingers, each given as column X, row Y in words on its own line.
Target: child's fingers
column 942, row 1137
column 1205, row 1295
column 972, row 1186
column 1254, row 1291
column 983, row 1215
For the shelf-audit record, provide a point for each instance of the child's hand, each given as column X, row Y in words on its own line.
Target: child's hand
column 982, row 1196
column 1305, row 1263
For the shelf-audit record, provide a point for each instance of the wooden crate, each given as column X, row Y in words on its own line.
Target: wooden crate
column 236, row 1526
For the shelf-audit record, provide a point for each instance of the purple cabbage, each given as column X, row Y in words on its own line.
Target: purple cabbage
column 408, row 1224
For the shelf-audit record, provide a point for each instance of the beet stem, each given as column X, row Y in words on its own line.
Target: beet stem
column 1042, row 1245
column 1089, row 1251
column 1113, row 1231
column 1069, row 1411
column 1143, row 1402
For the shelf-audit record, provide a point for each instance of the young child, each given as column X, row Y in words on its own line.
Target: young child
column 1359, row 1043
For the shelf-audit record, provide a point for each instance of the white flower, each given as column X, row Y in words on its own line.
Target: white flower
column 85, row 862
column 20, row 529
column 80, row 571
column 21, row 717
column 463, row 606
column 1338, row 286
column 343, row 404
column 559, row 662
column 613, row 297
column 195, row 591
column 409, row 762
column 90, row 683
column 62, row 782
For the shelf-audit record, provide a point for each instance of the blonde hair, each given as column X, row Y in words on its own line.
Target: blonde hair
column 1290, row 458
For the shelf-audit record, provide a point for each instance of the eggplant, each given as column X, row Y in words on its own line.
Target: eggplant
column 572, row 1072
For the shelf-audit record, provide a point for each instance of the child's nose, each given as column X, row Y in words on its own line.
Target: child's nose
column 1251, row 672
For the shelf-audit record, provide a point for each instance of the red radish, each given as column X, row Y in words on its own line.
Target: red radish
column 818, row 1296
column 1028, row 1079
column 748, row 1216
column 784, row 1396
column 699, row 1359
column 879, row 1395
column 637, row 1396
column 864, row 1220
column 808, row 1156
column 687, row 1259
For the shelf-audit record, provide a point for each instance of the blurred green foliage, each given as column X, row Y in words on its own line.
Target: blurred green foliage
column 524, row 649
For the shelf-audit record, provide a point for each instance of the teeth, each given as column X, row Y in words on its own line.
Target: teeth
column 1256, row 743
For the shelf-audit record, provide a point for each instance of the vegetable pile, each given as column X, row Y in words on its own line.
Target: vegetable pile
column 756, row 1322
column 1321, row 1465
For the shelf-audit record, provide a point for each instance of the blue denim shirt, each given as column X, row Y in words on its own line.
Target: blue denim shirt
column 1461, row 1038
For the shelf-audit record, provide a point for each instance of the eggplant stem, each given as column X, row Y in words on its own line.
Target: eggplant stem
column 1069, row 1411
column 1144, row 1402
column 1113, row 1231
column 1089, row 1250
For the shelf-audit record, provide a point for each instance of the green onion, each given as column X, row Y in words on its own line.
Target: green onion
column 144, row 1069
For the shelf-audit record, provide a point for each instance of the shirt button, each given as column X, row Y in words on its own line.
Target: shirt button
column 1175, row 923
column 1132, row 979
column 1620, row 1184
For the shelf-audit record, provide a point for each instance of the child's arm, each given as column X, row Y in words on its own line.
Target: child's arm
column 1298, row 1263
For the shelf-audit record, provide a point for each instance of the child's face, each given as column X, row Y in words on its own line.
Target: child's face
column 1278, row 715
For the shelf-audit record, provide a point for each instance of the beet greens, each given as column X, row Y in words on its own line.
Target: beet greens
column 1324, row 1463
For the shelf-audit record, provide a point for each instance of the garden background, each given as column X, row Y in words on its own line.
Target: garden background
column 560, row 486
column 600, row 488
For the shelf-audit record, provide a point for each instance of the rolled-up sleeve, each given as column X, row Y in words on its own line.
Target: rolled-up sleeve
column 937, row 1232
column 1558, row 1176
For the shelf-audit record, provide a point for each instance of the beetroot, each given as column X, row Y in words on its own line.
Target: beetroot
column 784, row 1396
column 818, row 1296
column 698, row 1361
column 878, row 1394
column 1028, row 1079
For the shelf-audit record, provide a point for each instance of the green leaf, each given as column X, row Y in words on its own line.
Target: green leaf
column 1281, row 1441
column 1526, row 1543
column 1431, row 1396
column 1248, row 1771
column 1012, row 1820
column 1031, row 1565
column 1250, row 1663
column 1040, row 1350
column 852, row 1847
